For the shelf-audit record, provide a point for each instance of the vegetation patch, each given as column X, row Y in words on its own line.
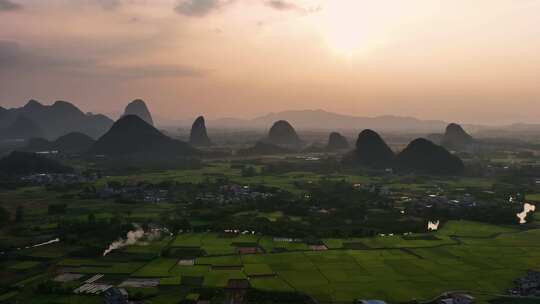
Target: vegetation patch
column 355, row 245
column 421, row 237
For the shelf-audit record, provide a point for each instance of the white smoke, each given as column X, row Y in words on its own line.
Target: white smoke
column 132, row 237
column 526, row 209
column 45, row 243
column 432, row 226
column 137, row 236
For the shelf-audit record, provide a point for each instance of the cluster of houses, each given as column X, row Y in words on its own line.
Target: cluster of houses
column 529, row 285
column 440, row 201
column 465, row 201
column 115, row 296
column 456, row 298
column 226, row 194
column 58, row 179
column 229, row 194
column 536, row 183
column 142, row 193
column 421, row 200
column 373, row 188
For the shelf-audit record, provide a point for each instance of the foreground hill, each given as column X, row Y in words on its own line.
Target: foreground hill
column 138, row 107
column 371, row 151
column 22, row 163
column 58, row 119
column 422, row 155
column 70, row 143
column 131, row 135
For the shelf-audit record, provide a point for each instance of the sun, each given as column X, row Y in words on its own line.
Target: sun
column 353, row 27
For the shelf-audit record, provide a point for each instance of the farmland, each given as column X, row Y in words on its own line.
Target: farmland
column 480, row 258
column 334, row 237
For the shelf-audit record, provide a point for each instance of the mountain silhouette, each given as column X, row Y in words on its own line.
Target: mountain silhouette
column 3, row 113
column 22, row 128
column 70, row 143
column 58, row 119
column 337, row 141
column 282, row 133
column 131, row 135
column 423, row 156
column 455, row 137
column 198, row 135
column 138, row 107
column 371, row 151
column 22, row 163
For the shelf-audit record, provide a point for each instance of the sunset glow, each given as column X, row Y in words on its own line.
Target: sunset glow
column 248, row 58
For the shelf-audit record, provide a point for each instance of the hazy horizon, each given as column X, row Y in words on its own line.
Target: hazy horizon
column 469, row 62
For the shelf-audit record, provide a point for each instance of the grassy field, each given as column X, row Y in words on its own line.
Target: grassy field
column 483, row 259
column 223, row 169
column 287, row 180
column 533, row 197
column 472, row 229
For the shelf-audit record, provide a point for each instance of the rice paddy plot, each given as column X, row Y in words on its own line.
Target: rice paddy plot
column 157, row 268
column 221, row 278
column 258, row 270
column 25, row 265
column 472, row 229
column 188, row 240
column 270, row 284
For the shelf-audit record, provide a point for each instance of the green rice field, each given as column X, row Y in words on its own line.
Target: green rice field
column 479, row 258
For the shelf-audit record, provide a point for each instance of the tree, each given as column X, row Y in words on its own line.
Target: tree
column 56, row 209
column 248, row 171
column 4, row 216
column 91, row 219
column 19, row 214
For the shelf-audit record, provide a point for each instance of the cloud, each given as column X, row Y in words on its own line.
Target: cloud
column 9, row 53
column 109, row 4
column 15, row 59
column 149, row 71
column 13, row 56
column 8, row 5
column 283, row 5
column 200, row 8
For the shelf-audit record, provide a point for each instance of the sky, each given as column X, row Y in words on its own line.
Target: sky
column 456, row 60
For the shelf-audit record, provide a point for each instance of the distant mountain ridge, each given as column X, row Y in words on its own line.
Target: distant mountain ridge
column 55, row 120
column 324, row 120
